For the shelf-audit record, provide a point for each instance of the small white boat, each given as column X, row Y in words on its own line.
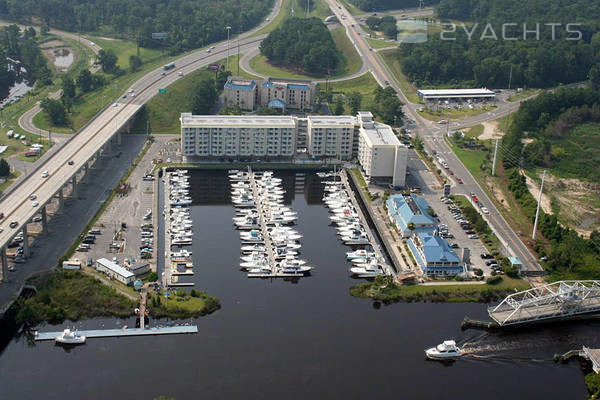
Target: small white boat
column 70, row 337
column 448, row 350
column 355, row 240
column 255, row 247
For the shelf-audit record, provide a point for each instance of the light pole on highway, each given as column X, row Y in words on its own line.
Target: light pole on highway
column 228, row 29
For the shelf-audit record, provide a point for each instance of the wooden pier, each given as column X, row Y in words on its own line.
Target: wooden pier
column 103, row 333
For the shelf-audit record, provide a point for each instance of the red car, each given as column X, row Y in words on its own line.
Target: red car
column 1, row 215
column 450, row 172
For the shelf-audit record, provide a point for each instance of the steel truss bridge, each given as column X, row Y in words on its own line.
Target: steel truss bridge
column 558, row 300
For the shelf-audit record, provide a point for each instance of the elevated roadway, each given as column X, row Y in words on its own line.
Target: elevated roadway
column 514, row 245
column 89, row 142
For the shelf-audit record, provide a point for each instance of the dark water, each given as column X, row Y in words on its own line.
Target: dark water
column 298, row 340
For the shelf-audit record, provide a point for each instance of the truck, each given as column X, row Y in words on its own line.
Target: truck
column 169, row 66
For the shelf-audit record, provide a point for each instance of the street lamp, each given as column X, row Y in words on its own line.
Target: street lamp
column 228, row 29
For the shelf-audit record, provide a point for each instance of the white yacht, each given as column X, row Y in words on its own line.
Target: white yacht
column 253, row 247
column 70, row 337
column 352, row 240
column 447, row 350
column 367, row 270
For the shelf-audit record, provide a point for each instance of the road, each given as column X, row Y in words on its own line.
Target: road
column 513, row 243
column 91, row 139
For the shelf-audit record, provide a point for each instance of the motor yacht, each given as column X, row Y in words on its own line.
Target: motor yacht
column 70, row 337
column 355, row 240
column 447, row 350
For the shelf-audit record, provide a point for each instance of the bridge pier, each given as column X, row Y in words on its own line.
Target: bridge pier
column 44, row 220
column 74, row 185
column 107, row 147
column 26, row 251
column 119, row 137
column 61, row 200
column 4, row 261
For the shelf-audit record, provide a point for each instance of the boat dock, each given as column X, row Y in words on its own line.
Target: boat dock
column 263, row 227
column 102, row 333
column 388, row 269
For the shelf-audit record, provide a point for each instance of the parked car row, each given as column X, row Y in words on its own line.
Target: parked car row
column 147, row 236
column 463, row 222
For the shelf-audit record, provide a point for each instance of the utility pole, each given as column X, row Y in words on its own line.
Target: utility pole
column 228, row 29
column 495, row 155
column 510, row 77
column 537, row 212
column 147, row 128
column 307, row 7
column 238, row 56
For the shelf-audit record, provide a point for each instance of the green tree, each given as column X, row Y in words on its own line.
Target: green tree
column 85, row 81
column 205, row 96
column 354, row 102
column 338, row 108
column 134, row 63
column 108, row 60
column 595, row 76
column 4, row 167
column 55, row 110
column 68, row 87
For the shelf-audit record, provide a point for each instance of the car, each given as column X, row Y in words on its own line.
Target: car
column 45, row 174
column 70, row 162
column 460, row 181
column 37, row 219
column 454, row 246
column 441, row 122
column 485, row 210
column 208, row 51
column 488, row 263
column 11, row 268
column 13, row 224
column 212, row 47
column 450, row 172
column 35, row 204
column 180, row 73
column 32, row 197
column 124, row 96
column 473, row 236
column 485, row 255
column 450, row 236
column 130, row 91
column 1, row 230
column 163, row 73
column 1, row 215
column 132, row 94
column 471, row 232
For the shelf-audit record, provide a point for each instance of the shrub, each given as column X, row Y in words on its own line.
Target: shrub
column 493, row 280
column 513, row 272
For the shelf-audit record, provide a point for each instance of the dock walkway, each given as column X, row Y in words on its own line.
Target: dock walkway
column 263, row 225
column 386, row 267
column 100, row 333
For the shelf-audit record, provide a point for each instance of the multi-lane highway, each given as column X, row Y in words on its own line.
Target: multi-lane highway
column 513, row 244
column 87, row 143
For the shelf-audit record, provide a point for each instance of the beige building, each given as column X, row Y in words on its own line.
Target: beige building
column 330, row 136
column 380, row 153
column 272, row 92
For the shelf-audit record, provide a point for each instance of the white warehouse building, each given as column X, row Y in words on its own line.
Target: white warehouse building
column 214, row 136
column 380, row 153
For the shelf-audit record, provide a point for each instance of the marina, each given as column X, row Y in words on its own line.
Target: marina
column 269, row 244
column 178, row 260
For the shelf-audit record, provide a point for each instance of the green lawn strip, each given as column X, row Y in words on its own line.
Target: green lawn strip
column 472, row 159
column 454, row 114
column 364, row 84
column 351, row 62
column 237, row 70
column 9, row 180
column 71, row 295
column 381, row 44
column 124, row 49
column 388, row 292
column 488, row 237
column 391, row 59
column 474, row 131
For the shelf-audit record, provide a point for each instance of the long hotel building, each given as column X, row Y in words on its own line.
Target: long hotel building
column 381, row 155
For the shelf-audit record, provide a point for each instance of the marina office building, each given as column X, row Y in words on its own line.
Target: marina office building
column 219, row 137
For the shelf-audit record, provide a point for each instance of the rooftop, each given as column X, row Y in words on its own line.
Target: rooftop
column 455, row 92
column 378, row 134
column 410, row 208
column 436, row 249
column 189, row 120
column 331, row 119
column 240, row 84
column 116, row 268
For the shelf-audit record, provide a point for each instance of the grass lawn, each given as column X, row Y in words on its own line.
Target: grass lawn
column 320, row 10
column 124, row 49
column 260, row 64
column 237, row 70
column 351, row 62
column 474, row 131
column 9, row 180
column 391, row 58
column 380, row 44
column 391, row 293
column 164, row 109
column 364, row 84
column 352, row 9
column 472, row 159
column 454, row 114
column 181, row 304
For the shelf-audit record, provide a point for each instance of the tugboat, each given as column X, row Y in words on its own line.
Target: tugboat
column 448, row 350
column 70, row 337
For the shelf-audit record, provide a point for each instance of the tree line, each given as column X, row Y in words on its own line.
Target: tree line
column 386, row 24
column 189, row 23
column 22, row 46
column 304, row 43
column 478, row 55
column 377, row 5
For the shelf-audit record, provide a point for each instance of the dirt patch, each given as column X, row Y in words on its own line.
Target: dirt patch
column 497, row 193
column 490, row 131
column 534, row 189
column 62, row 57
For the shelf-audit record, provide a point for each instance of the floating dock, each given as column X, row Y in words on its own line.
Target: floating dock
column 102, row 333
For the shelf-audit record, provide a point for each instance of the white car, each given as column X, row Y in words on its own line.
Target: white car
column 45, row 174
column 485, row 210
column 180, row 73
column 208, row 51
column 116, row 105
column 132, row 94
column 130, row 90
column 35, row 204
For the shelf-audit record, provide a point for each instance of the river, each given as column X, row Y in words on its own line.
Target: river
column 297, row 340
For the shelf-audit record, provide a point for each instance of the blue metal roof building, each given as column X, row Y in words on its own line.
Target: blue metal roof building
column 404, row 209
column 434, row 256
column 240, row 85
